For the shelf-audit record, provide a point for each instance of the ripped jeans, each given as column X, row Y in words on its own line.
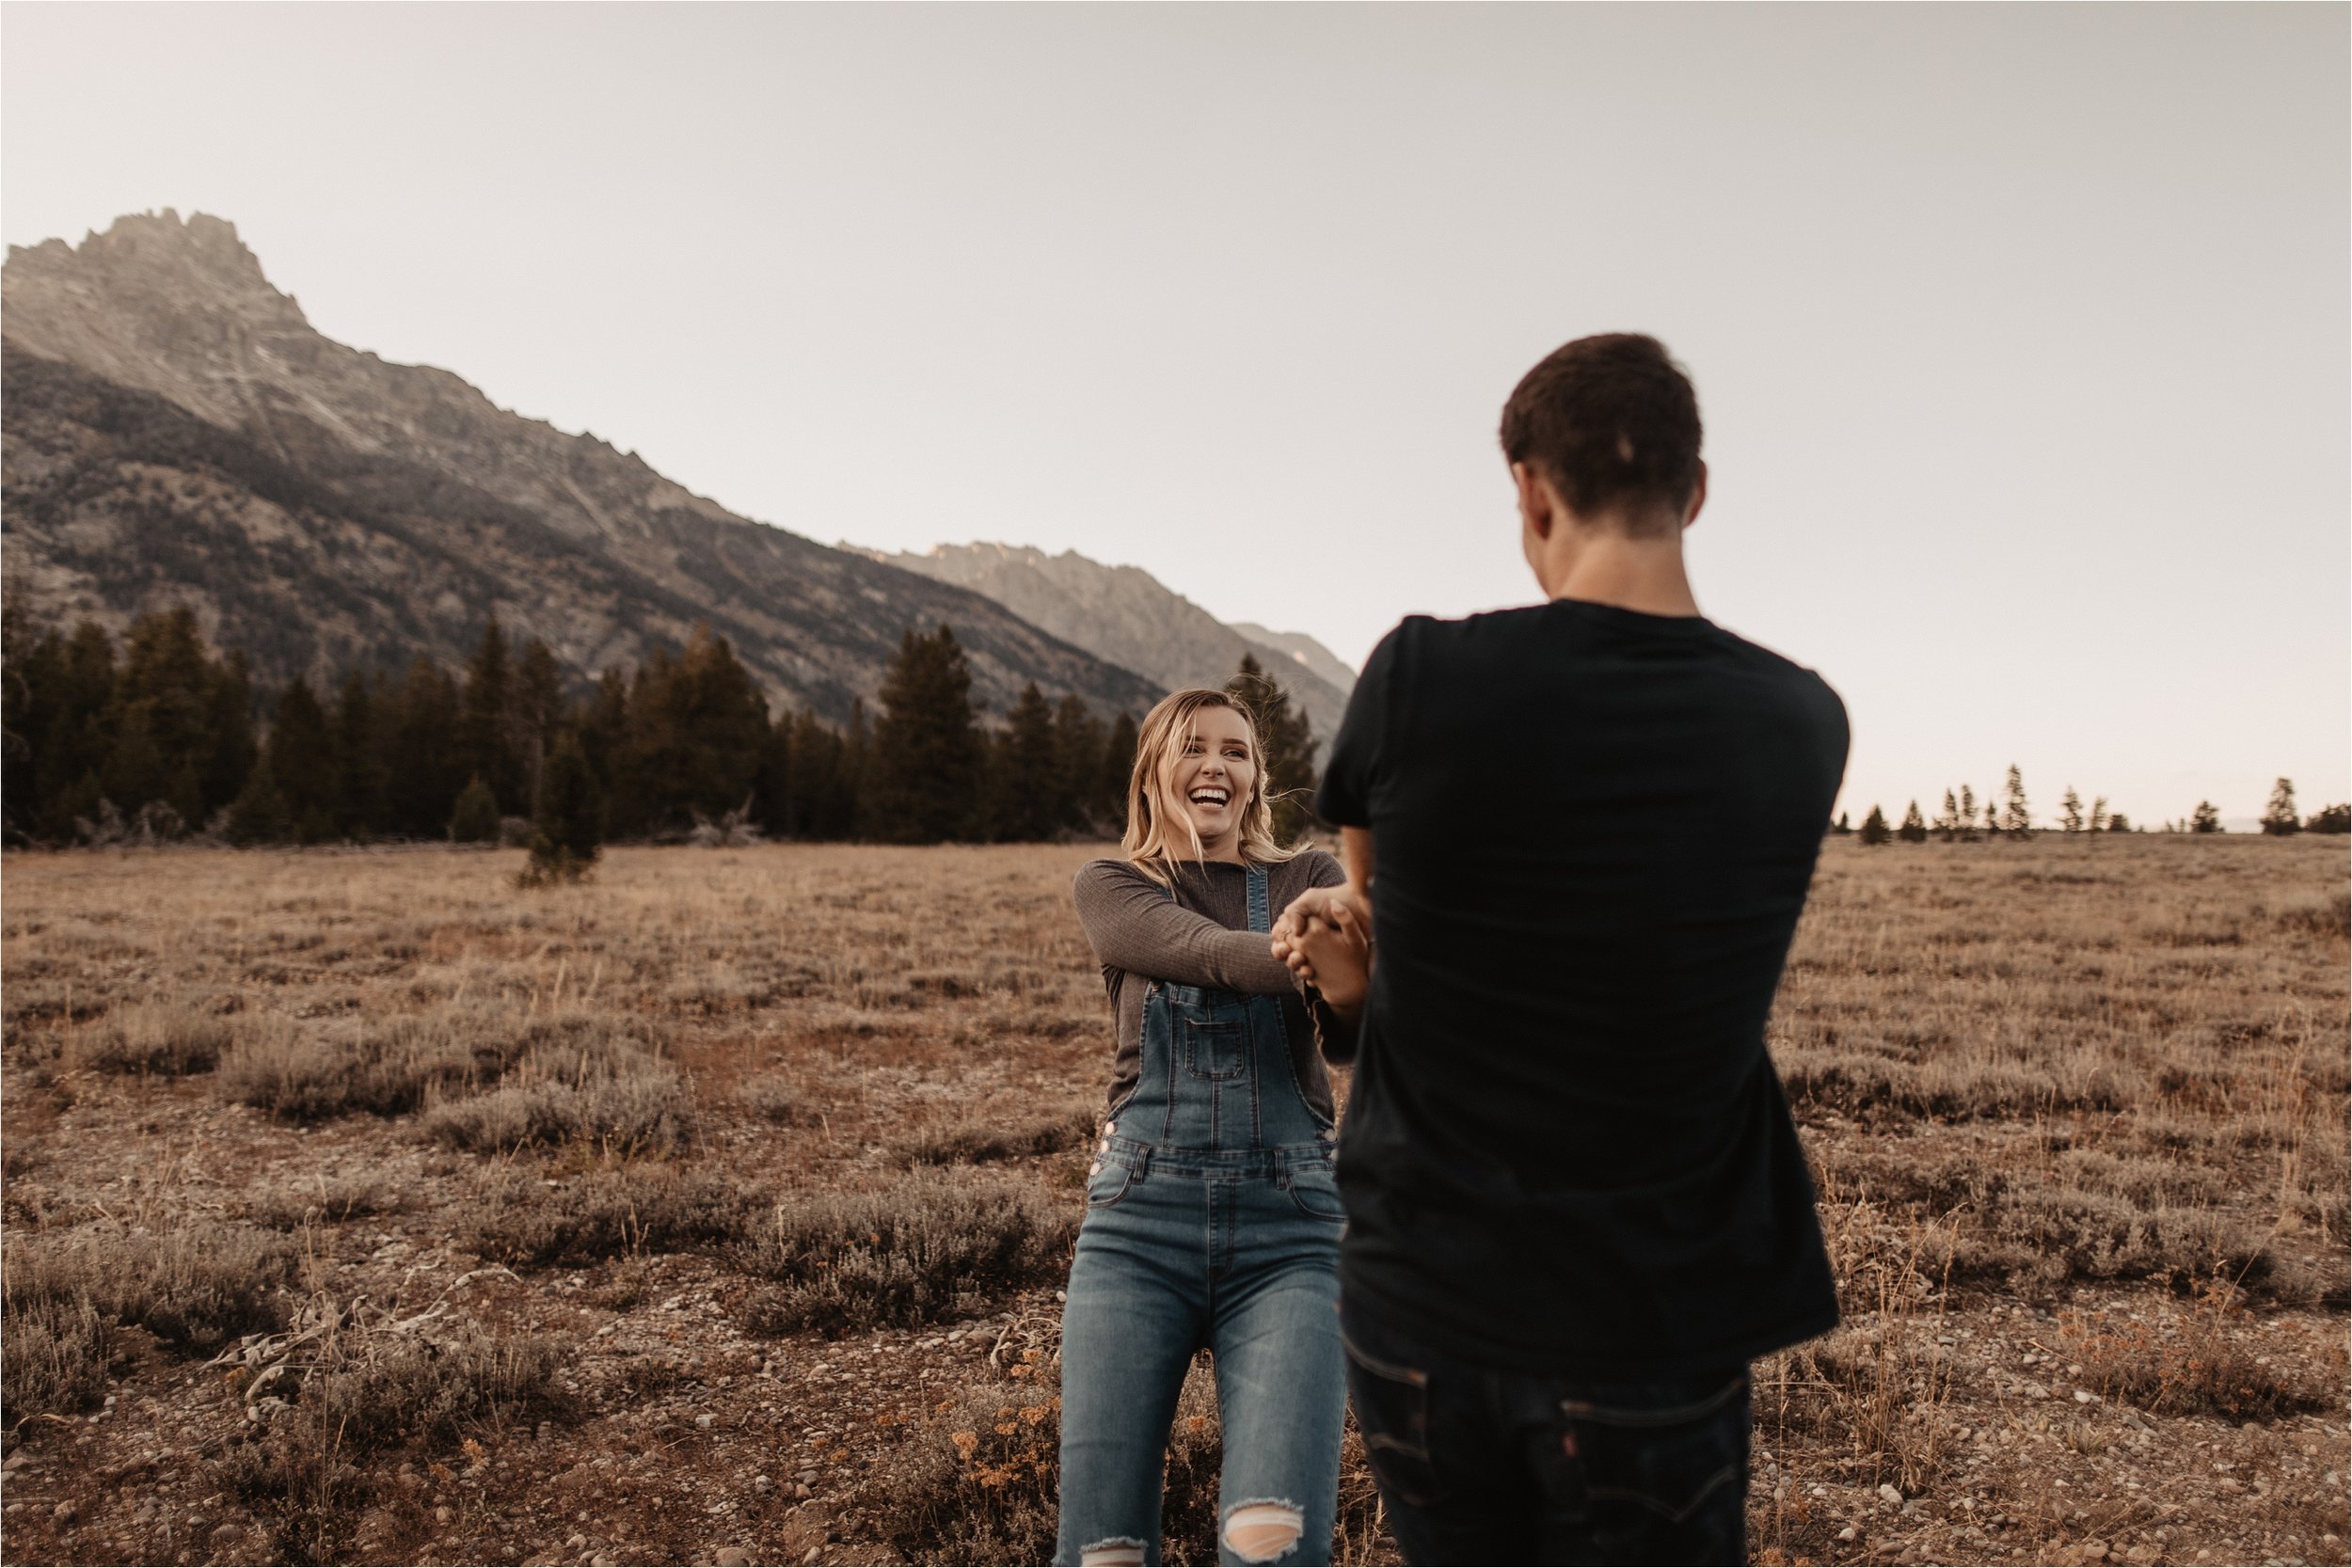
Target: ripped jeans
column 1239, row 1260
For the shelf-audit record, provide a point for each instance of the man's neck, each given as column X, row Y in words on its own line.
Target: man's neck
column 1642, row 575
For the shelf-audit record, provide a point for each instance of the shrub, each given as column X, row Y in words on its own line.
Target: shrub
column 978, row 1480
column 520, row 1219
column 908, row 1254
column 978, row 1142
column 476, row 819
column 303, row 1474
column 53, row 1359
column 155, row 1036
column 770, row 1097
column 2195, row 1370
column 589, row 1083
column 2330, row 916
column 393, row 1066
column 193, row 1287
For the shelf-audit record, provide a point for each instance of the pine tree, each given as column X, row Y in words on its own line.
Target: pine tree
column 2100, row 821
column 2330, row 819
column 538, row 707
column 1874, row 828
column 1024, row 782
column 301, row 755
column 2016, row 821
column 1947, row 820
column 233, row 752
column 1119, row 765
column 2279, row 817
column 475, row 821
column 567, row 823
column 259, row 813
column 1967, row 814
column 693, row 733
column 2071, row 810
column 1078, row 741
column 2204, row 819
column 926, row 748
column 422, row 763
column 1915, row 827
column 164, row 705
column 1842, row 826
column 2117, row 824
column 359, row 762
column 1288, row 742
column 485, row 720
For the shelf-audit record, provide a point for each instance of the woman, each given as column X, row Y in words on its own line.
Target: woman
column 1212, row 1219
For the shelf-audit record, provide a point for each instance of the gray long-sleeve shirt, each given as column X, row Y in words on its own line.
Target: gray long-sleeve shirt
column 1201, row 936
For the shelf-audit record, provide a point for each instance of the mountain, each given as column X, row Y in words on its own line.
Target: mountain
column 1301, row 649
column 175, row 431
column 1126, row 615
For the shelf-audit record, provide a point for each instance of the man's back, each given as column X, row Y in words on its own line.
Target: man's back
column 1595, row 829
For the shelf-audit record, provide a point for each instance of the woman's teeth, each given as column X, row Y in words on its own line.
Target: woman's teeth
column 1209, row 798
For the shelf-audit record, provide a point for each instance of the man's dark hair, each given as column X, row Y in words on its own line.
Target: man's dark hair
column 1613, row 423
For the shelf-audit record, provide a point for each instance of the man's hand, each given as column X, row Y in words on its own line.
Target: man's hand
column 1319, row 904
column 1326, row 939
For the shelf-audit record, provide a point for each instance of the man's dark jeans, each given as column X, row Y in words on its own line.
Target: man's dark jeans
column 1482, row 1464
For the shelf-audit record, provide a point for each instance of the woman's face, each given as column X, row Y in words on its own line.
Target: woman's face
column 1216, row 772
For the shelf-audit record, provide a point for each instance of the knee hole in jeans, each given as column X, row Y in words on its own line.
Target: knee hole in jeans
column 1260, row 1532
column 1118, row 1552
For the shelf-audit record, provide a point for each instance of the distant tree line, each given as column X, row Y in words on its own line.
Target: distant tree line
column 161, row 739
column 1959, row 821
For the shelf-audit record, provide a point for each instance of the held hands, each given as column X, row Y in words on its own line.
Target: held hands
column 1326, row 939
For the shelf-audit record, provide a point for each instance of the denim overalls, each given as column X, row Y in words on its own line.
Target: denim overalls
column 1212, row 1220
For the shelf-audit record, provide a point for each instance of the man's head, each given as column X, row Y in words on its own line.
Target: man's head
column 1609, row 426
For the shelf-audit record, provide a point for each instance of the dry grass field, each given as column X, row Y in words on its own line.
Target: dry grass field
column 359, row 1207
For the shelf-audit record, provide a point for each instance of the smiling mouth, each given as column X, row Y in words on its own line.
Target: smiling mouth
column 1209, row 794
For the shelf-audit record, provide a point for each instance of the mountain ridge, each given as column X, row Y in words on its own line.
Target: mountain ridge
column 1129, row 617
column 421, row 507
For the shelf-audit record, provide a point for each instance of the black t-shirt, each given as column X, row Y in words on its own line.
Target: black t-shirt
column 1565, row 1149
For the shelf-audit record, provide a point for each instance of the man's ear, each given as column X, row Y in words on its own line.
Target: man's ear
column 1698, row 498
column 1534, row 499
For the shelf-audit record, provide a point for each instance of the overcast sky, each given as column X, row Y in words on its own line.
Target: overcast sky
column 2019, row 332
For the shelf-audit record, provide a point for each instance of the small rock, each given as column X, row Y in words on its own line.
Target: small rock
column 761, row 1483
column 578, row 1542
column 441, row 1515
column 1889, row 1494
column 2083, row 1396
column 604, row 1559
column 2232, row 1484
column 731, row 1556
column 62, row 1513
column 2093, row 1551
column 703, row 1422
column 1848, row 1533
column 800, row 1490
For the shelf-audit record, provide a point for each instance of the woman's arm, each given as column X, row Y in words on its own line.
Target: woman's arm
column 1135, row 926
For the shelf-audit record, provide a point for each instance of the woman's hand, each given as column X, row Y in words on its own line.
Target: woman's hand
column 1328, row 944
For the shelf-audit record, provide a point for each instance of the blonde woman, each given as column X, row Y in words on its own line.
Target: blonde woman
column 1212, row 1218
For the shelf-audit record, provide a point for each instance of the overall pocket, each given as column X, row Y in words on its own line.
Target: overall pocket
column 1316, row 1191
column 1108, row 1182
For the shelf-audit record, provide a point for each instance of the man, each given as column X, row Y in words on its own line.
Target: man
column 1581, row 834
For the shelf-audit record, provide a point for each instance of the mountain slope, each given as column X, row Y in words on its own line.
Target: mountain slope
column 1301, row 649
column 175, row 431
column 1127, row 616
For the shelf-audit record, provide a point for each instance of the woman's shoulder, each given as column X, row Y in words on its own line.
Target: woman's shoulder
column 1309, row 869
column 1109, row 873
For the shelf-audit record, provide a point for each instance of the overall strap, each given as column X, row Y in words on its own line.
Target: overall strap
column 1261, row 905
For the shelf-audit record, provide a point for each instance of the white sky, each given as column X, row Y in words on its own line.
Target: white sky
column 2021, row 332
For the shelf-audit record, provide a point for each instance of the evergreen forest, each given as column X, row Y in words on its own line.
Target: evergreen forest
column 159, row 738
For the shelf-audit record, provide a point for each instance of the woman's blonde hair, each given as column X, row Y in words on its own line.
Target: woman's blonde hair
column 1159, row 830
